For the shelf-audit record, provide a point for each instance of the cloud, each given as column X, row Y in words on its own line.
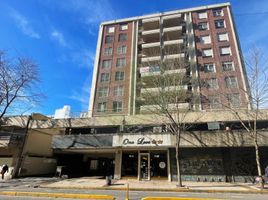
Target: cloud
column 24, row 25
column 90, row 13
column 58, row 36
column 85, row 58
column 82, row 96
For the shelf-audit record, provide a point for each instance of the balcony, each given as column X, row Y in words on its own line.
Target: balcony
column 149, row 71
column 174, row 56
column 149, row 45
column 150, row 59
column 151, row 32
column 151, row 23
column 151, row 108
column 167, row 89
column 172, row 20
column 173, row 42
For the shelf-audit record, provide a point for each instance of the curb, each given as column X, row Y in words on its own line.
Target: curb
column 248, row 191
column 58, row 195
column 176, row 198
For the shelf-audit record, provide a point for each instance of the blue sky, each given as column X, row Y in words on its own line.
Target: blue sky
column 61, row 35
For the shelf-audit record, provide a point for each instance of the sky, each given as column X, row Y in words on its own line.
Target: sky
column 61, row 37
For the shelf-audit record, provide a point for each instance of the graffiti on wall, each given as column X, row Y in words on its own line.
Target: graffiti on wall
column 201, row 166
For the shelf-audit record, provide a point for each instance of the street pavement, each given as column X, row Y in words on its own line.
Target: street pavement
column 150, row 188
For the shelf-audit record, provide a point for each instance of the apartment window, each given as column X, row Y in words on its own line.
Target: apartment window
column 108, row 51
column 106, row 64
column 231, row 82
column 212, row 84
column 121, row 62
column 214, row 102
column 205, row 39
column 118, row 90
column 219, row 23
column 122, row 49
column 234, row 100
column 122, row 37
column 227, row 66
column 207, row 53
column 123, row 27
column 110, row 29
column 119, row 76
column 109, row 39
column 103, row 91
column 102, row 107
column 203, row 26
column 202, row 15
column 217, row 13
column 223, row 37
column 105, row 77
column 117, row 106
column 225, row 51
column 209, row 67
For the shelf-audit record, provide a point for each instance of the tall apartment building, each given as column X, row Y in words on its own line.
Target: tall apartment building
column 129, row 50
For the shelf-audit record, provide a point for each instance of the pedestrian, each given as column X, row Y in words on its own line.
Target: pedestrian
column 266, row 171
column 4, row 170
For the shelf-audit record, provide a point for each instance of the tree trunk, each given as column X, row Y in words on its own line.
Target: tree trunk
column 178, row 161
column 258, row 159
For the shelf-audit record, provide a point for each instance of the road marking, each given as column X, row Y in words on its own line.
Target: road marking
column 58, row 195
column 177, row 198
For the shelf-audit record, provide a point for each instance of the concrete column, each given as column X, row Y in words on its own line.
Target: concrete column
column 118, row 164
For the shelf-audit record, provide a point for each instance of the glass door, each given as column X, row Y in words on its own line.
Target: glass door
column 144, row 166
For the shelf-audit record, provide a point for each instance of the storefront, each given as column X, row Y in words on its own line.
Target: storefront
column 143, row 157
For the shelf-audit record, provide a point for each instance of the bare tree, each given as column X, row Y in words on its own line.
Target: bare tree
column 166, row 91
column 257, row 99
column 19, row 81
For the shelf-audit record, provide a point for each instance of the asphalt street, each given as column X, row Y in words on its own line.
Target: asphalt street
column 32, row 185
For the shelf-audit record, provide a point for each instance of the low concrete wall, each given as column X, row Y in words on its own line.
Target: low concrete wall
column 33, row 166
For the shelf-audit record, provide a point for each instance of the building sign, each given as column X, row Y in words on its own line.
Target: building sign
column 142, row 140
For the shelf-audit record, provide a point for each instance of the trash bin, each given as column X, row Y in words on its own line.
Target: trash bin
column 108, row 180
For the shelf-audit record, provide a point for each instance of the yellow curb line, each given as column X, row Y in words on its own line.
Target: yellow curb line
column 58, row 195
column 176, row 198
column 164, row 189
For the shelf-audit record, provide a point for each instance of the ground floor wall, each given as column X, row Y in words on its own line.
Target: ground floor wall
column 197, row 164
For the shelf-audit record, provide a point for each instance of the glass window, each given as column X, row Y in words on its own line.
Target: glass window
column 209, row 67
column 122, row 37
column 231, row 82
column 205, row 39
column 207, row 53
column 102, row 107
column 123, row 27
column 214, row 102
column 118, row 90
column 110, row 29
column 109, row 39
column 227, row 66
column 122, row 49
column 225, row 51
column 212, row 84
column 203, row 26
column 103, row 91
column 217, row 13
column 117, row 106
column 119, row 76
column 108, row 51
column 121, row 62
column 105, row 77
column 223, row 37
column 202, row 15
column 106, row 64
column 234, row 100
column 219, row 23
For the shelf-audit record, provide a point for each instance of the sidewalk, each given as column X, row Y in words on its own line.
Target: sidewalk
column 155, row 185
